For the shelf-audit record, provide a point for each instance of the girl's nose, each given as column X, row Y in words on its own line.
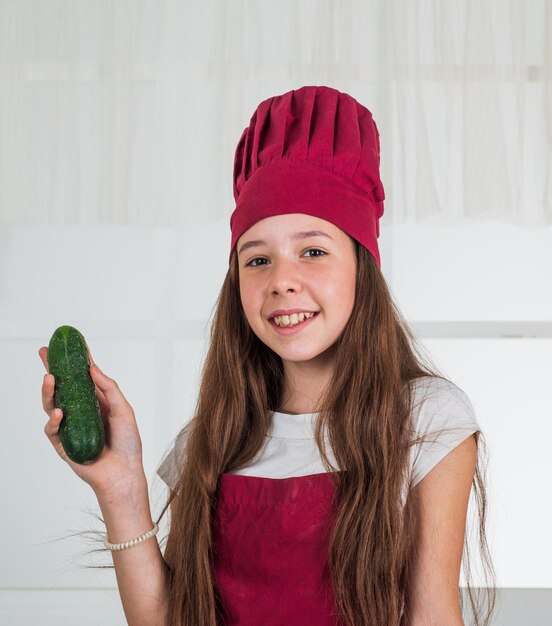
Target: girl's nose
column 284, row 276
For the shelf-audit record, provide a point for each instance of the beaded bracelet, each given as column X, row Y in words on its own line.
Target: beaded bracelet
column 131, row 542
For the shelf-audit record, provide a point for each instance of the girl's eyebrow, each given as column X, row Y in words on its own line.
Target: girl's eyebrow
column 302, row 235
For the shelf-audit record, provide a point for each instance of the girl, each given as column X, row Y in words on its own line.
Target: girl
column 325, row 475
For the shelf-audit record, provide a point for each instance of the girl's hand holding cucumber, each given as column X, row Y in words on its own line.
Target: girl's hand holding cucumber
column 91, row 424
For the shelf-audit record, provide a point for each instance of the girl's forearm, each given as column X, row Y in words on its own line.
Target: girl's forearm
column 141, row 570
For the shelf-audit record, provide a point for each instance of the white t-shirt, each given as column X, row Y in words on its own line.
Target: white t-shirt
column 290, row 450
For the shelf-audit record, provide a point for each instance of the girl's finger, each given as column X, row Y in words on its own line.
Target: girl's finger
column 104, row 404
column 42, row 353
column 52, row 425
column 110, row 389
column 51, row 429
column 48, row 394
column 89, row 355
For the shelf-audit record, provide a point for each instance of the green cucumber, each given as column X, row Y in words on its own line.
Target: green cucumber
column 81, row 430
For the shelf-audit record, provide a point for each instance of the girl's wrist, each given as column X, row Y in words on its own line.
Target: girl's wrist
column 114, row 482
column 128, row 524
column 119, row 494
column 126, row 511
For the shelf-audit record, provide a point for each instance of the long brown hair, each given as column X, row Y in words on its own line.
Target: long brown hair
column 366, row 409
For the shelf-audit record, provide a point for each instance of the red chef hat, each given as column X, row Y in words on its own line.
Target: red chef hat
column 312, row 150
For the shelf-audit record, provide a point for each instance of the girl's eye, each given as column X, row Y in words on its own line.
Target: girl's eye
column 261, row 259
column 315, row 250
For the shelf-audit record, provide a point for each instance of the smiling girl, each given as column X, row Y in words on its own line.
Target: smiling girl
column 332, row 465
column 325, row 475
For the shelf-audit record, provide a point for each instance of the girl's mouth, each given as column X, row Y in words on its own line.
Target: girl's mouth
column 291, row 330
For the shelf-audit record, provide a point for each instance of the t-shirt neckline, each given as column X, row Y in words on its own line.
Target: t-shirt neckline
column 292, row 426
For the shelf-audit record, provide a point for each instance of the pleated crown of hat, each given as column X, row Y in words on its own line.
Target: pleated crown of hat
column 313, row 150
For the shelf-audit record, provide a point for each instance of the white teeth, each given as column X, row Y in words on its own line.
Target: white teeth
column 291, row 320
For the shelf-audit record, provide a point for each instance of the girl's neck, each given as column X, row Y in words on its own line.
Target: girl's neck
column 303, row 389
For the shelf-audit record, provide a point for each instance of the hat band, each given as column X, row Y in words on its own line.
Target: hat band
column 288, row 186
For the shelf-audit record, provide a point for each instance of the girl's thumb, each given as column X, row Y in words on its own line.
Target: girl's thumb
column 97, row 372
column 108, row 386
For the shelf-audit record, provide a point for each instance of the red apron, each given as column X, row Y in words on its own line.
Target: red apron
column 271, row 537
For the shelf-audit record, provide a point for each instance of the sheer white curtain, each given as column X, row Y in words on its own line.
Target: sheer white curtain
column 471, row 101
column 129, row 111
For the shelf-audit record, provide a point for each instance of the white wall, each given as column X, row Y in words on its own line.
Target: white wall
column 483, row 285
column 141, row 298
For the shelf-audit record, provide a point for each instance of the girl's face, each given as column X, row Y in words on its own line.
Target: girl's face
column 285, row 271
